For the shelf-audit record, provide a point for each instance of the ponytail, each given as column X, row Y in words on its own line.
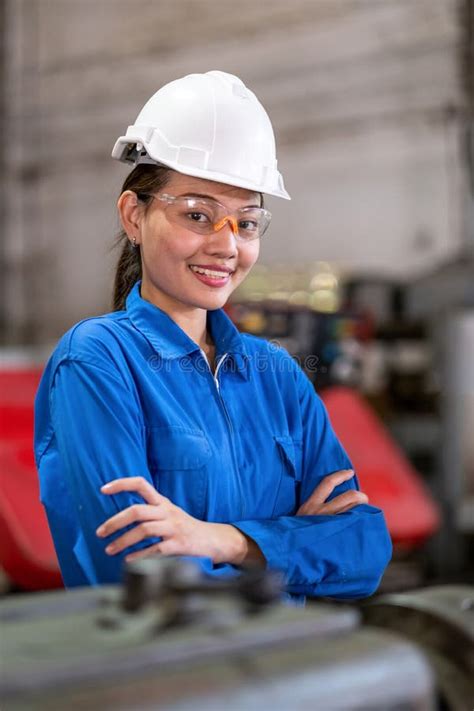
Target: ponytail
column 128, row 272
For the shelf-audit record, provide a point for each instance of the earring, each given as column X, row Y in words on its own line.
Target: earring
column 134, row 242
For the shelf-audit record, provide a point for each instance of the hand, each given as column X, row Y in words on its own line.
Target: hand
column 317, row 504
column 181, row 534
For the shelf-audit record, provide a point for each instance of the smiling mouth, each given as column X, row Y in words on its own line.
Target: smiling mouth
column 210, row 273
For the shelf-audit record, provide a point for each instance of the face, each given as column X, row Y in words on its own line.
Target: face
column 171, row 253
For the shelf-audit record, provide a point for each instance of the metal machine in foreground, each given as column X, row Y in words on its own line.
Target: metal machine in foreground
column 170, row 639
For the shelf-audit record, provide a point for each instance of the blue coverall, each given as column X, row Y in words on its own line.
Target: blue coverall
column 130, row 394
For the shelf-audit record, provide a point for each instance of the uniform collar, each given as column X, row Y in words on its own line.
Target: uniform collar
column 170, row 341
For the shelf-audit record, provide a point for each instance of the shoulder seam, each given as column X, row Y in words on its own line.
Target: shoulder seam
column 74, row 328
column 74, row 359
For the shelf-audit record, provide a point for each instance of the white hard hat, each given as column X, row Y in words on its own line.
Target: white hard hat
column 208, row 126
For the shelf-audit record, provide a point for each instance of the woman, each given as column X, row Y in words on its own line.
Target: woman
column 160, row 429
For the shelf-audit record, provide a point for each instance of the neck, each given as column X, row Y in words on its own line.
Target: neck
column 192, row 320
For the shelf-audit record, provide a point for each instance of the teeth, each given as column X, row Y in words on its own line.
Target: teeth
column 209, row 272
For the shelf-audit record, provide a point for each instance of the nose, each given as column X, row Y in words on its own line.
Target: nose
column 223, row 240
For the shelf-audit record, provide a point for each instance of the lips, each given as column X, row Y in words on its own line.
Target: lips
column 215, row 278
column 211, row 270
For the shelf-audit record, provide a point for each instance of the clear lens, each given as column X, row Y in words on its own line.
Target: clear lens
column 201, row 215
column 252, row 222
column 196, row 215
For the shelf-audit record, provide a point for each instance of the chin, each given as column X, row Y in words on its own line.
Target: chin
column 211, row 302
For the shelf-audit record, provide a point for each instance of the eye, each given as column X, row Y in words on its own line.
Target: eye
column 198, row 217
column 248, row 225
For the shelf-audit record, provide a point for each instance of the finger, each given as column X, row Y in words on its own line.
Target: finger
column 340, row 503
column 145, row 530
column 344, row 502
column 151, row 550
column 327, row 485
column 134, row 483
column 132, row 514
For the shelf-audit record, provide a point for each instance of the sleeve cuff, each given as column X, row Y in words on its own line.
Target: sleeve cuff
column 269, row 540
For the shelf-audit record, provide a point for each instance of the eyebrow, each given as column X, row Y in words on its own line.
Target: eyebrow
column 207, row 197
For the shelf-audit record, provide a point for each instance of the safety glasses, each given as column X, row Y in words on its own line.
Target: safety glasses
column 205, row 216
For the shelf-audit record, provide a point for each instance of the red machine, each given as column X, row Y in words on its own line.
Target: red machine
column 384, row 472
column 27, row 552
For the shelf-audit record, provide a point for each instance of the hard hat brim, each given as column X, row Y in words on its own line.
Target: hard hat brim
column 125, row 151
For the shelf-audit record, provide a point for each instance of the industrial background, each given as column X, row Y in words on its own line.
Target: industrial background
column 366, row 276
column 369, row 100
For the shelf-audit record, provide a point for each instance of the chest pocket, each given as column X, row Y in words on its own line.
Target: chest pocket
column 177, row 459
column 290, row 452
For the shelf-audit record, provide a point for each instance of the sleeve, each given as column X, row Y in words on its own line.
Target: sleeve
column 100, row 437
column 342, row 555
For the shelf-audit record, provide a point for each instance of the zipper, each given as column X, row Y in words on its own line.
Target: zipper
column 229, row 426
column 216, row 379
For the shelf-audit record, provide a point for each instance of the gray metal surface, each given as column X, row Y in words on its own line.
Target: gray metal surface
column 366, row 670
column 96, row 642
column 440, row 621
column 173, row 641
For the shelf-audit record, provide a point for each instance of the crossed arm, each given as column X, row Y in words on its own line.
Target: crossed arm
column 182, row 534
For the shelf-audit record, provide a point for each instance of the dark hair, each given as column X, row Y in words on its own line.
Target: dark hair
column 144, row 178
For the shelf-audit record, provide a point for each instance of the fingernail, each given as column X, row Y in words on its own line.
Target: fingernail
column 106, row 486
column 110, row 548
column 100, row 531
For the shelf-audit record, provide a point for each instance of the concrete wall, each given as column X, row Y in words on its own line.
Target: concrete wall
column 366, row 98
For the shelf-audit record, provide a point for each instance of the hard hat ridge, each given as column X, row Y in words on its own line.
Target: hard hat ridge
column 209, row 126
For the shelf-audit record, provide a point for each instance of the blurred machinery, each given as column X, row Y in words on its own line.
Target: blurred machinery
column 444, row 300
column 171, row 639
column 407, row 350
column 378, row 351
